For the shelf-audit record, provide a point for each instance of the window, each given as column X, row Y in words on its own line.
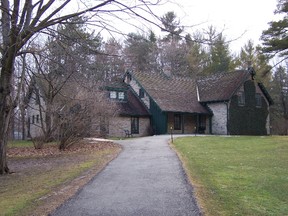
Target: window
column 141, row 93
column 113, row 94
column 33, row 119
column 37, row 118
column 241, row 99
column 121, row 95
column 135, row 125
column 258, row 100
column 177, row 122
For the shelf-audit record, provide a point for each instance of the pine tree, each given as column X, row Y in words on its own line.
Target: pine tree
column 251, row 55
column 275, row 39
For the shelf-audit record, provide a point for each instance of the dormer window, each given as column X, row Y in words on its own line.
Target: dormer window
column 113, row 94
column 241, row 98
column 120, row 95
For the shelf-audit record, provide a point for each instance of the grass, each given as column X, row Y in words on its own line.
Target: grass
column 20, row 143
column 21, row 192
column 238, row 175
column 24, row 143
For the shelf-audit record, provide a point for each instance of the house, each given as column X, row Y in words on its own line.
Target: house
column 42, row 116
column 116, row 109
column 143, row 104
column 224, row 103
column 131, row 114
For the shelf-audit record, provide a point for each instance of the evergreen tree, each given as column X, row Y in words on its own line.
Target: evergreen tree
column 220, row 58
column 141, row 52
column 171, row 25
column 74, row 50
column 275, row 39
column 196, row 56
column 113, row 61
column 279, row 93
column 251, row 55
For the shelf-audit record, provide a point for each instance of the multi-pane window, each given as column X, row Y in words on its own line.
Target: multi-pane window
column 135, row 125
column 241, row 98
column 121, row 95
column 177, row 122
column 113, row 94
column 258, row 100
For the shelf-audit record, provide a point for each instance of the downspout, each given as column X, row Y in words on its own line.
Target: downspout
column 210, row 124
column 183, row 123
column 227, row 117
column 197, row 117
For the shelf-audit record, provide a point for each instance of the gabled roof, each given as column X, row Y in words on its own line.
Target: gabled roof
column 132, row 106
column 221, row 86
column 172, row 94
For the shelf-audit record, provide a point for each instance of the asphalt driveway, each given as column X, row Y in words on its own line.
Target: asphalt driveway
column 145, row 179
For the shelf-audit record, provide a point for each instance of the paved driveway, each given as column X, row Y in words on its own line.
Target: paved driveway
column 145, row 179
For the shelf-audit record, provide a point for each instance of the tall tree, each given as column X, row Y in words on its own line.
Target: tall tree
column 251, row 55
column 171, row 25
column 173, row 58
column 69, row 53
column 74, row 49
column 26, row 19
column 275, row 39
column 220, row 58
column 113, row 60
column 196, row 57
column 279, row 92
column 173, row 49
column 140, row 51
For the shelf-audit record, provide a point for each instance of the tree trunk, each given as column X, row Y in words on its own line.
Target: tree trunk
column 6, row 105
column 4, row 122
column 5, row 114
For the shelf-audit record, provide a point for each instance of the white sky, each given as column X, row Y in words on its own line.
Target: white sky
column 236, row 17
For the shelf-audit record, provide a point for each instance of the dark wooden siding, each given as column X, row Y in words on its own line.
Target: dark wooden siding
column 247, row 119
column 159, row 119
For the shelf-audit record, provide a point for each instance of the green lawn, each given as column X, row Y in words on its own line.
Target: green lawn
column 245, row 175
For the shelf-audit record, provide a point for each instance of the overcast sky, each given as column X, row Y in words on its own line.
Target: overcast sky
column 236, row 17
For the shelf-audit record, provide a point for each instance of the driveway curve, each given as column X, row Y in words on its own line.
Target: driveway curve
column 145, row 179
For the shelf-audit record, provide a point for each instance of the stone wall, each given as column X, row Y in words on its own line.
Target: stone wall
column 219, row 118
column 118, row 124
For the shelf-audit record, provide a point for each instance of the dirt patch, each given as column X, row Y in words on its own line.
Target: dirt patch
column 27, row 161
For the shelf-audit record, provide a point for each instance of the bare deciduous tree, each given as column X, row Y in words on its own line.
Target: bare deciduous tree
column 25, row 19
column 83, row 115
